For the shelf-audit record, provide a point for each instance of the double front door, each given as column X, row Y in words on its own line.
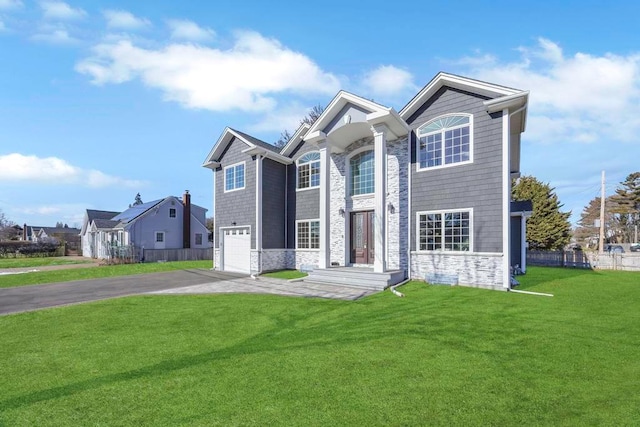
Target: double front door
column 362, row 240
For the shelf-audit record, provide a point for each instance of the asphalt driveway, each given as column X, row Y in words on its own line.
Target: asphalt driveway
column 27, row 298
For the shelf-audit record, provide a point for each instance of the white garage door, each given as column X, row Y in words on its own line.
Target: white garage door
column 236, row 250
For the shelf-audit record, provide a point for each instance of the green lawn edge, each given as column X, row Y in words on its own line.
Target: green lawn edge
column 72, row 274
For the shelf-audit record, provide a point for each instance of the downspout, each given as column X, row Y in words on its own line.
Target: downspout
column 409, row 213
column 286, row 206
column 213, row 261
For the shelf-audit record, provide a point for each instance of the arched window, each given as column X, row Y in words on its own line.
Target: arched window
column 362, row 173
column 445, row 141
column 309, row 170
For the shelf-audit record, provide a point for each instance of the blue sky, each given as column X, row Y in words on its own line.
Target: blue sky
column 101, row 100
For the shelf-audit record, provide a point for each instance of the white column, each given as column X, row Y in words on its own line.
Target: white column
column 325, row 159
column 506, row 201
column 259, row 210
column 380, row 158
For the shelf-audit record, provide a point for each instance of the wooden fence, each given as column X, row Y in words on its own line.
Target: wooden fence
column 575, row 259
column 192, row 254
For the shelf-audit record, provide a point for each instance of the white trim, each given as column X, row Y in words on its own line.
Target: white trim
column 506, row 200
column 295, row 139
column 457, row 82
column 297, row 163
column 442, row 212
column 298, row 221
column 244, row 179
column 442, row 148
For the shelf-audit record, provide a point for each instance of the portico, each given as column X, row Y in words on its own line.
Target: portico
column 354, row 207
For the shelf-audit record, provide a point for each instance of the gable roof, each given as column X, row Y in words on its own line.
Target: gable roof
column 375, row 114
column 254, row 146
column 295, row 139
column 502, row 93
column 59, row 230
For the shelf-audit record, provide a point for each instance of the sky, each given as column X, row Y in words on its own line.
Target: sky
column 103, row 100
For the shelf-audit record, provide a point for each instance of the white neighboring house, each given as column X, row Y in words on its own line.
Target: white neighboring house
column 168, row 223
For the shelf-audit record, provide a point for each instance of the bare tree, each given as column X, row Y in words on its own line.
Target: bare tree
column 7, row 227
column 309, row 119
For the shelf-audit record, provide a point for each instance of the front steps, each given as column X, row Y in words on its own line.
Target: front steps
column 356, row 277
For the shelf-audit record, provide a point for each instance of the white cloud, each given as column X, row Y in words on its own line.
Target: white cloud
column 283, row 117
column 30, row 168
column 2, row 27
column 121, row 19
column 182, row 29
column 388, row 81
column 58, row 10
column 10, row 4
column 581, row 98
column 57, row 36
column 246, row 77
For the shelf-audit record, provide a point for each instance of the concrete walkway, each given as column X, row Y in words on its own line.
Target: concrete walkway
column 267, row 285
column 193, row 281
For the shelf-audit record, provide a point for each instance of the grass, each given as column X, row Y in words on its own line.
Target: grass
column 439, row 356
column 286, row 274
column 38, row 278
column 37, row 262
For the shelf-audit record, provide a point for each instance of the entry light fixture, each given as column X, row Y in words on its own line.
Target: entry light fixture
column 391, row 208
column 233, row 223
column 341, row 211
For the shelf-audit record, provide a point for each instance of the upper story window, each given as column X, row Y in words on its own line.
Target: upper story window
column 309, row 170
column 362, row 169
column 445, row 141
column 234, row 177
column 172, row 212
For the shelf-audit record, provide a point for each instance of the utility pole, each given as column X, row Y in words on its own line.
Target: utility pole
column 602, row 197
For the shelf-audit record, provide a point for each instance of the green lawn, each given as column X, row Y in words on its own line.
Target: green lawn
column 286, row 274
column 40, row 277
column 37, row 262
column 439, row 356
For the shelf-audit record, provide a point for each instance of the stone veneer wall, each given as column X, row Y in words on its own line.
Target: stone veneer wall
column 307, row 257
column 398, row 197
column 216, row 259
column 476, row 270
column 337, row 222
column 278, row 259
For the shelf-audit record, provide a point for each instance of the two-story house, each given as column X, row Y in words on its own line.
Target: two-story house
column 420, row 193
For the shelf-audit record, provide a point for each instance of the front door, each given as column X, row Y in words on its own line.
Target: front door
column 362, row 237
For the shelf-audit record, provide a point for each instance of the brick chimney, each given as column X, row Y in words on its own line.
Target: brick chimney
column 186, row 220
column 24, row 232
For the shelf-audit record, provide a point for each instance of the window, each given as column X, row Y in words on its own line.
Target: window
column 445, row 141
column 172, row 212
column 159, row 236
column 234, row 177
column 198, row 238
column 362, row 173
column 444, row 231
column 309, row 170
column 308, row 234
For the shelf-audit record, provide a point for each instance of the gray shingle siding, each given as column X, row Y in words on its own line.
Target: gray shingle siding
column 477, row 185
column 273, row 204
column 236, row 206
column 300, row 204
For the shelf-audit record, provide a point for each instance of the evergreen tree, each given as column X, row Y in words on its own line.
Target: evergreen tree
column 588, row 230
column 137, row 201
column 626, row 206
column 548, row 228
